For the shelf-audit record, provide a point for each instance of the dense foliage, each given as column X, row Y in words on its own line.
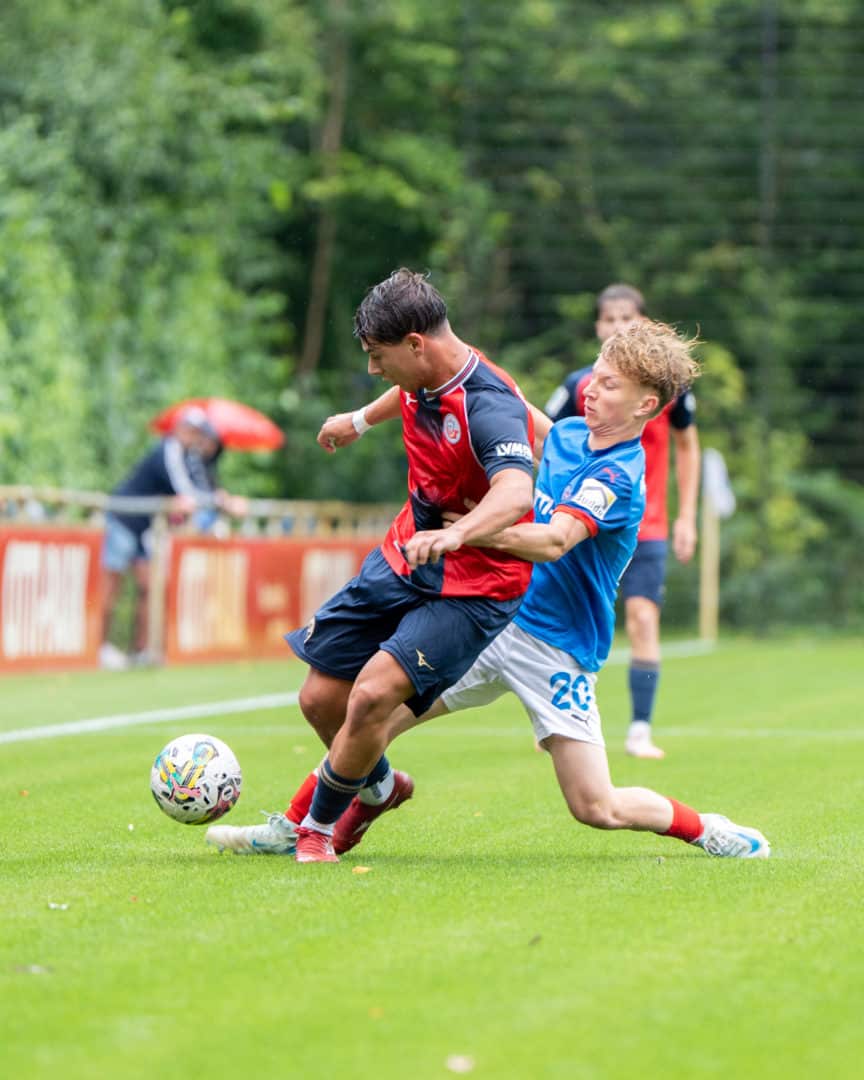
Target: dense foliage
column 194, row 196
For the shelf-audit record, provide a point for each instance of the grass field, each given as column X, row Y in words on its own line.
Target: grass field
column 490, row 930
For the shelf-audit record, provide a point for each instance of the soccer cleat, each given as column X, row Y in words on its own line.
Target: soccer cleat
column 639, row 744
column 314, row 846
column 277, row 837
column 351, row 827
column 725, row 839
column 644, row 748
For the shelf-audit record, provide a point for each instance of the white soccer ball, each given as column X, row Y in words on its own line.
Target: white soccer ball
column 195, row 779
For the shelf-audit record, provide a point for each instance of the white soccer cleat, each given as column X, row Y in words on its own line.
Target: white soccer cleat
column 639, row 744
column 276, row 837
column 644, row 748
column 725, row 839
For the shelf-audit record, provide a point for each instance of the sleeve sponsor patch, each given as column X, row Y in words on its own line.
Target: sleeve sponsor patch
column 514, row 449
column 595, row 497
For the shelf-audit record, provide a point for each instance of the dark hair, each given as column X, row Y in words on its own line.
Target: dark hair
column 403, row 303
column 621, row 292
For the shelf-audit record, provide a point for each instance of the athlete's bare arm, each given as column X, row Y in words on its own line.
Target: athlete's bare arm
column 509, row 498
column 539, row 543
column 687, row 457
column 542, row 427
column 340, row 430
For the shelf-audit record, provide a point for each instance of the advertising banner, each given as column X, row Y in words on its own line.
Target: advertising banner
column 50, row 598
column 234, row 599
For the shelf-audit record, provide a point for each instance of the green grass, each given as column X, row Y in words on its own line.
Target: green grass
column 489, row 924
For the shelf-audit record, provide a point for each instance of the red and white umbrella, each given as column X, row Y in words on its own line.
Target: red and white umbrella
column 240, row 427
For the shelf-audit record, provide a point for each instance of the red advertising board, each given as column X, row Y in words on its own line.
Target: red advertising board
column 230, row 599
column 50, row 598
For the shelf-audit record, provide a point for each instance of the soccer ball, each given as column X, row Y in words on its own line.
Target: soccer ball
column 195, row 779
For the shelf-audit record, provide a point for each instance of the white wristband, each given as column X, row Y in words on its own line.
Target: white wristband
column 361, row 424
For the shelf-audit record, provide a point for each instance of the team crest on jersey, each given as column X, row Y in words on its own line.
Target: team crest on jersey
column 595, row 497
column 452, row 429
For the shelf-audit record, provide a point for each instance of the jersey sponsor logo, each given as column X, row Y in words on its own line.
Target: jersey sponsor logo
column 452, row 429
column 543, row 503
column 310, row 629
column 611, row 473
column 422, row 661
column 690, row 401
column 595, row 497
column 409, row 400
column 514, row 449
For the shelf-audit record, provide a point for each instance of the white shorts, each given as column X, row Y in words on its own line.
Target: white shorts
column 558, row 695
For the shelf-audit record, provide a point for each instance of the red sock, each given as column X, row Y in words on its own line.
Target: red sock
column 686, row 823
column 302, row 799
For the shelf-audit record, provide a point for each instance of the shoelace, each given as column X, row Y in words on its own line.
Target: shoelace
column 279, row 822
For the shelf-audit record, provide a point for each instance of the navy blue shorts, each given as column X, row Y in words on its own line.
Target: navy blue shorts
column 646, row 574
column 434, row 638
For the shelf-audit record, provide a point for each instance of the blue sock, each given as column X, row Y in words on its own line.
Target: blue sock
column 333, row 793
column 379, row 771
column 644, row 678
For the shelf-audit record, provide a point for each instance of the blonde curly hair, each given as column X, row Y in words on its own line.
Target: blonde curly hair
column 654, row 355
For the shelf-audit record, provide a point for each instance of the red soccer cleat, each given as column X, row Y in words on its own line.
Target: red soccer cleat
column 351, row 827
column 314, row 846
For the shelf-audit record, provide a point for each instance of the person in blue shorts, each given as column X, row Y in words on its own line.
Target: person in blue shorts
column 427, row 601
column 182, row 465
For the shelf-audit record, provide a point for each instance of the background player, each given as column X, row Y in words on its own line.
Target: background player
column 425, row 603
column 643, row 584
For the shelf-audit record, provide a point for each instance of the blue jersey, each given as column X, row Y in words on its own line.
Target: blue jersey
column 571, row 603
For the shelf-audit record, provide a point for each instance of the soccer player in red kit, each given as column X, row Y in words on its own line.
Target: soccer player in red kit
column 643, row 583
column 425, row 603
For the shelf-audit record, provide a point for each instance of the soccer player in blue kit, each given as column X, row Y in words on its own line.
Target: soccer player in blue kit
column 427, row 601
column 589, row 501
column 642, row 587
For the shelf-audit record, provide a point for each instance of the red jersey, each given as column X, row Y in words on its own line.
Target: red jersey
column 569, row 400
column 457, row 438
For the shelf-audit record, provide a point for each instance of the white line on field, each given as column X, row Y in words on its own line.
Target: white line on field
column 122, row 720
column 674, row 650
column 677, row 649
column 448, row 730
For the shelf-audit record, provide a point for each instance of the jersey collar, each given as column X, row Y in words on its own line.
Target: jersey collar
column 457, row 380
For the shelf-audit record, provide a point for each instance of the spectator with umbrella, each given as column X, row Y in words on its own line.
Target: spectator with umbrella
column 183, row 465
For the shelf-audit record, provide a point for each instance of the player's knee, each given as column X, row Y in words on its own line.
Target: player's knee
column 366, row 706
column 316, row 710
column 641, row 621
column 597, row 813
